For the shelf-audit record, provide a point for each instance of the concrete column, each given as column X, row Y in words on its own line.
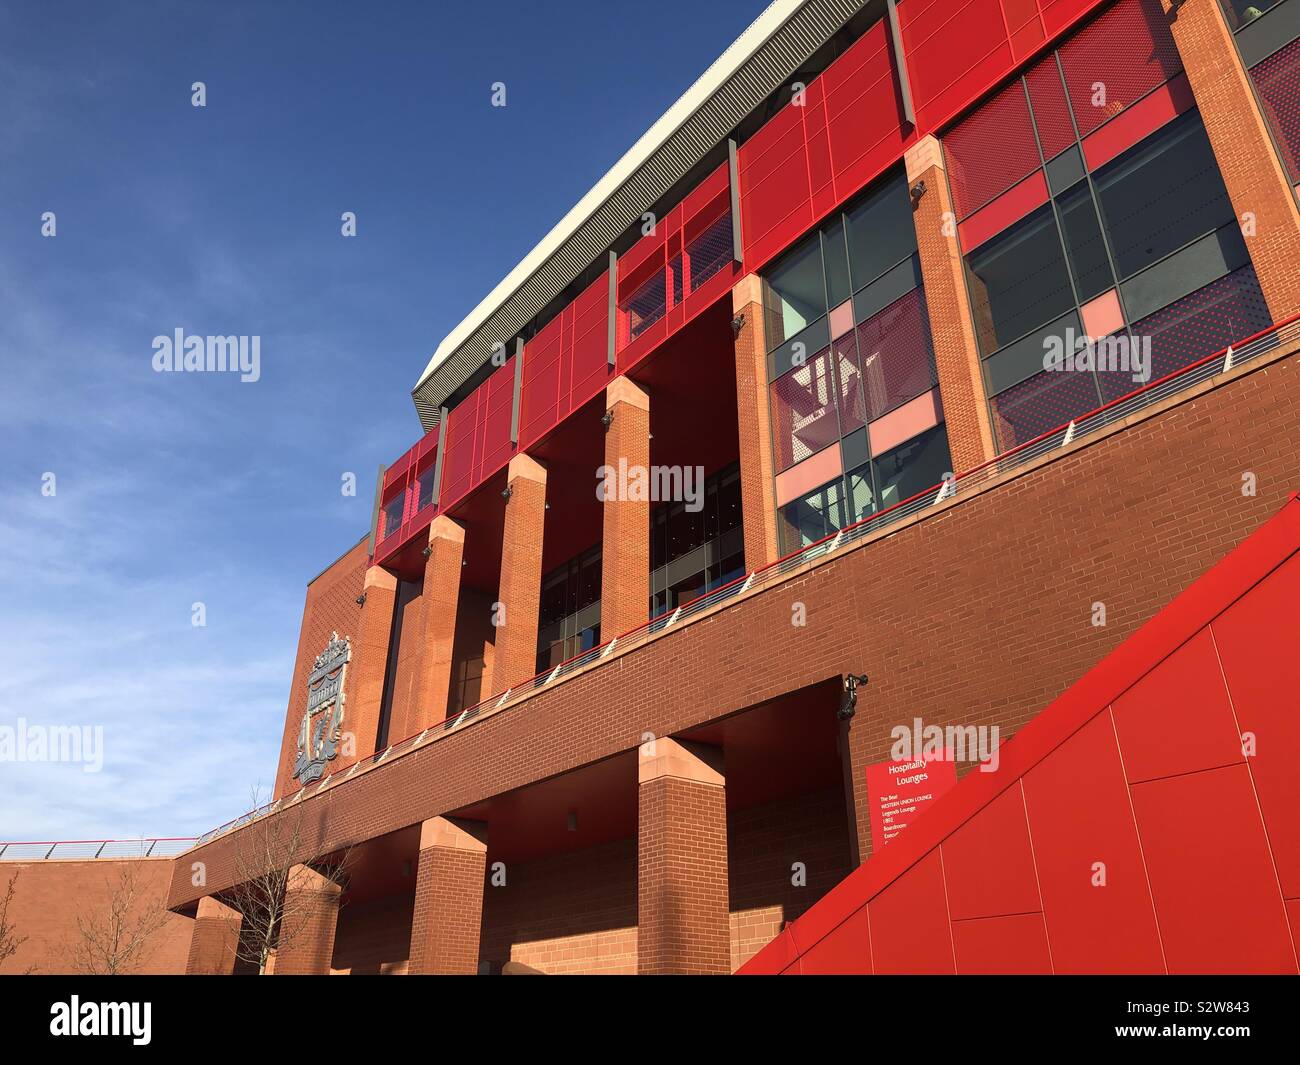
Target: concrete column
column 682, row 885
column 448, row 897
column 956, row 353
column 441, row 596
column 757, row 468
column 1257, row 184
column 625, row 551
column 214, row 939
column 307, row 930
column 369, row 664
column 515, row 657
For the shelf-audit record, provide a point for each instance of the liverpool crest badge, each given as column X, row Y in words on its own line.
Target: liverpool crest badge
column 322, row 723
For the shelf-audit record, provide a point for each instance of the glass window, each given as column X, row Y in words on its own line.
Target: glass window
column 804, row 418
column 729, row 512
column 796, row 292
column 646, row 305
column 1084, row 242
column 912, row 467
column 425, row 481
column 1241, row 13
column 393, row 514
column 710, row 251
column 815, row 516
column 838, row 288
column 1161, row 195
column 1019, row 281
column 861, row 496
column 880, row 231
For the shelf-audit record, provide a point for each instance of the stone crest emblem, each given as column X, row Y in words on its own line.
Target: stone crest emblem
column 322, row 723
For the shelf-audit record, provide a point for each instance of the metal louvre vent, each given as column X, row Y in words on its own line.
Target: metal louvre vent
column 799, row 38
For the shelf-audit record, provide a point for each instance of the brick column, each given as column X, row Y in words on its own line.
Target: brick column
column 311, row 913
column 441, row 597
column 1257, row 184
column 956, row 354
column 369, row 664
column 682, row 886
column 448, row 897
column 757, row 469
column 625, row 551
column 520, row 593
column 214, row 939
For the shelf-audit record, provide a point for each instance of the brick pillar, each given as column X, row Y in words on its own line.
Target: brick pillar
column 625, row 551
column 214, row 939
column 956, row 354
column 369, row 664
column 448, row 897
column 757, row 469
column 311, row 913
column 1257, row 184
column 441, row 597
column 520, row 593
column 682, row 886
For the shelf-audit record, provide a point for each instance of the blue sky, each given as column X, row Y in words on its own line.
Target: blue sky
column 172, row 489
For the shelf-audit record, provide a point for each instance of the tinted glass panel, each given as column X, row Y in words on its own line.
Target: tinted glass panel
column 1162, row 194
column 912, row 467
column 393, row 514
column 880, row 231
column 1018, row 280
column 1241, row 13
column 816, row 515
column 837, row 264
column 1084, row 242
column 796, row 292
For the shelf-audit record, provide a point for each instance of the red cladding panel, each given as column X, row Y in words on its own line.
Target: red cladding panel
column 458, row 465
column 1117, row 59
column 776, row 200
column 1278, row 80
column 955, row 50
column 1139, row 121
column 1058, row 14
column 910, row 931
column 1212, row 876
column 1079, row 815
column 1002, row 946
column 1177, row 719
column 1051, row 109
column 845, row 952
column 991, row 150
column 989, row 864
column 1006, row 210
column 1256, row 643
column 499, row 392
column 541, row 384
column 589, row 353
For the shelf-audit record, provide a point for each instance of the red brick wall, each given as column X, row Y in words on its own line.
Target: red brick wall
column 330, row 606
column 50, row 896
column 373, row 938
column 977, row 613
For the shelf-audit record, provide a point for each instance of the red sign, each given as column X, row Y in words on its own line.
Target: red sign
column 899, row 792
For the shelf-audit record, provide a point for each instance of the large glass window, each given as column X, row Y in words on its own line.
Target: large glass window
column 568, row 621
column 1241, row 13
column 1161, row 195
column 392, row 514
column 796, row 292
column 880, row 230
column 692, row 553
column 1019, row 281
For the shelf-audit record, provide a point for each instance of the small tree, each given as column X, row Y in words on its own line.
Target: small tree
column 274, row 913
column 115, row 939
column 10, row 940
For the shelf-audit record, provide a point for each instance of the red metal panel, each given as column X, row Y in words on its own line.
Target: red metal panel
column 589, row 353
column 1002, row 946
column 952, row 56
column 1006, row 210
column 1079, row 814
column 991, row 150
column 1117, row 59
column 1024, row 26
column 1141, row 120
column 774, row 186
column 910, row 931
column 1177, row 719
column 458, row 464
column 541, row 384
column 1050, row 107
column 1256, row 643
column 988, row 863
column 499, row 399
column 1059, row 14
column 1212, row 876
column 846, row 952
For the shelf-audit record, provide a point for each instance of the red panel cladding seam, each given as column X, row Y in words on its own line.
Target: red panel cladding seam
column 846, row 953
column 1141, row 120
column 1095, row 927
column 458, row 466
column 1177, row 719
column 589, row 355
column 1212, row 876
column 540, row 385
column 1006, row 210
column 910, row 932
column 988, row 863
column 1255, row 638
column 954, row 61
column 496, row 421
column 1051, row 108
column 1002, row 946
column 991, row 150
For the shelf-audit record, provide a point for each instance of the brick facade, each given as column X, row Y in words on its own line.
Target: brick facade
column 214, row 940
column 448, row 898
column 625, row 551
column 311, row 911
column 1256, row 182
column 952, row 330
column 757, row 468
column 520, row 592
column 682, row 894
column 369, row 666
column 441, row 595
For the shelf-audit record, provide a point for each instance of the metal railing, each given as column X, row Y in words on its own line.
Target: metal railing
column 48, row 850
column 1117, row 410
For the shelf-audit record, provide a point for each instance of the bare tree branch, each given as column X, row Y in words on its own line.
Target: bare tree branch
column 10, row 940
column 115, row 939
